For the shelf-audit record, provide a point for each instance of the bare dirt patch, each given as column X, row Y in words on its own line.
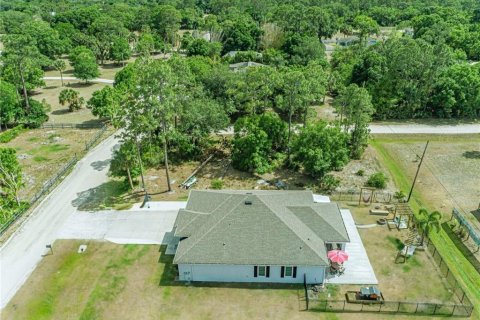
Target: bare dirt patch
column 42, row 152
column 450, row 173
column 350, row 178
column 326, row 111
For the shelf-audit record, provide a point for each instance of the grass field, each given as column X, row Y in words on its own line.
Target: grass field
column 112, row 281
column 107, row 71
column 51, row 91
column 42, row 152
column 415, row 280
column 59, row 113
column 424, row 195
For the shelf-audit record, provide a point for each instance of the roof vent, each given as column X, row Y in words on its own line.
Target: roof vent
column 248, row 202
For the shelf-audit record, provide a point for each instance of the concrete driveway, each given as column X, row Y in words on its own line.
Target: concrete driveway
column 136, row 226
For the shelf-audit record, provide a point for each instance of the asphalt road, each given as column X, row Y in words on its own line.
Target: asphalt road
column 23, row 251
column 73, row 78
column 410, row 128
column 414, row 128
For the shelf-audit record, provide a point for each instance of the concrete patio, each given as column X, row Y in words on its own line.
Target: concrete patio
column 358, row 269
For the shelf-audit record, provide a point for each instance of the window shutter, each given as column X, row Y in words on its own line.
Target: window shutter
column 255, row 271
column 268, row 271
column 294, row 272
column 282, row 272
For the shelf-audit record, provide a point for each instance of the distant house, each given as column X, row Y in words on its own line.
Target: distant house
column 348, row 41
column 243, row 65
column 256, row 236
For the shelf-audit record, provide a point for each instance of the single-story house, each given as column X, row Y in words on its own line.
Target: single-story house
column 256, row 236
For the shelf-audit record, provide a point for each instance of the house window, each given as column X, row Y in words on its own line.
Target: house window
column 261, row 271
column 339, row 246
column 288, row 271
column 329, row 247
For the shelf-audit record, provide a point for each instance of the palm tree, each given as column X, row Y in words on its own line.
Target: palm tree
column 428, row 222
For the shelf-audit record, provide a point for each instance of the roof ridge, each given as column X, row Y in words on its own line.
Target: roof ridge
column 331, row 225
column 312, row 234
column 320, row 217
column 211, row 228
column 203, row 213
column 198, row 214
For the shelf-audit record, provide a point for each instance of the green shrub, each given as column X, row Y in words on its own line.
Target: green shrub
column 11, row 134
column 400, row 196
column 360, row 173
column 216, row 184
column 37, row 114
column 329, row 183
column 377, row 180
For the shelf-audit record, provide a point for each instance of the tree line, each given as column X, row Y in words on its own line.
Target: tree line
column 168, row 109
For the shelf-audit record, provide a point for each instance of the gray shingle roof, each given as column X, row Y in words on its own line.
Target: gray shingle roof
column 277, row 228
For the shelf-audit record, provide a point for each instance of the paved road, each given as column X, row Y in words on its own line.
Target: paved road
column 411, row 128
column 22, row 252
column 424, row 128
column 73, row 78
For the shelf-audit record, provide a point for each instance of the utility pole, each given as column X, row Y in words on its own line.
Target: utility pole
column 418, row 169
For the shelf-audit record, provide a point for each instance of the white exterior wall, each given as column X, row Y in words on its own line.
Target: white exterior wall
column 244, row 273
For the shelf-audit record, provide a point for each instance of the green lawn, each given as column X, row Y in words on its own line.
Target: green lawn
column 462, row 269
column 111, row 281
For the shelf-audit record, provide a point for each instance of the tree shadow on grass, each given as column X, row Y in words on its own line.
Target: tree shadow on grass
column 82, row 84
column 60, row 111
column 101, row 197
column 472, row 154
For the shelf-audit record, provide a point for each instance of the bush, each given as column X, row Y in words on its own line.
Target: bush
column 37, row 114
column 216, row 184
column 377, row 180
column 329, row 183
column 400, row 196
column 11, row 134
column 360, row 173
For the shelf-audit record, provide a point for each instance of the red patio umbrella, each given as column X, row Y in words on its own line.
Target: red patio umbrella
column 337, row 256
